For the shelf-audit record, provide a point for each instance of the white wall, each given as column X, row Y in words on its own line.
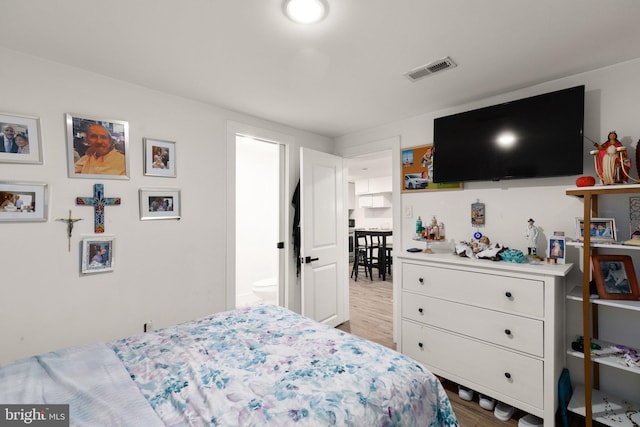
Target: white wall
column 612, row 102
column 165, row 271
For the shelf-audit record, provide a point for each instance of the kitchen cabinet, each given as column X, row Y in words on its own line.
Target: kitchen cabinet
column 352, row 195
column 587, row 400
column 495, row 327
column 374, row 185
column 374, row 201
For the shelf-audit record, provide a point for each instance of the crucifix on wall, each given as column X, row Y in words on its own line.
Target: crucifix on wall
column 98, row 201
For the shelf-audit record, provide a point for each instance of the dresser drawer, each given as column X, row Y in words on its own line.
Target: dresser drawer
column 511, row 294
column 509, row 373
column 508, row 330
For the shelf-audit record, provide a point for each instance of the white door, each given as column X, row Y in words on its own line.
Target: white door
column 323, row 228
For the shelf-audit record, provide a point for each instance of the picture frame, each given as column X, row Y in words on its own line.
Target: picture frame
column 159, row 203
column 97, row 254
column 97, row 148
column 159, row 158
column 417, row 170
column 557, row 249
column 603, row 230
column 23, row 201
column 615, row 277
column 26, row 146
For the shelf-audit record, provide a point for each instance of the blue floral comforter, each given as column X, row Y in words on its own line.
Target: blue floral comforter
column 267, row 366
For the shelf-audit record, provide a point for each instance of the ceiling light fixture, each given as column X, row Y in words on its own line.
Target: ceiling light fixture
column 305, row 11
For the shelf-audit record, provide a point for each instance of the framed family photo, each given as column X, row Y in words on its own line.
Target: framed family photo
column 417, row 170
column 97, row 254
column 159, row 203
column 615, row 277
column 21, row 202
column 97, row 148
column 20, row 140
column 602, row 230
column 159, row 158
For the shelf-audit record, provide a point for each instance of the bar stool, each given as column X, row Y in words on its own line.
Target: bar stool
column 361, row 259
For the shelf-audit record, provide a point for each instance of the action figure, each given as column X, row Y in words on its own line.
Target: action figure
column 531, row 234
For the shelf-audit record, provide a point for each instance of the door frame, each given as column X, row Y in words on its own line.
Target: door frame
column 285, row 141
column 393, row 144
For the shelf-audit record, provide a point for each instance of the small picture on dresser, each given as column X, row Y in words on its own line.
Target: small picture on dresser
column 615, row 277
column 557, row 249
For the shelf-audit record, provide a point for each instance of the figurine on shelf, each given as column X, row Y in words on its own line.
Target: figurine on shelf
column 612, row 162
column 531, row 233
column 481, row 245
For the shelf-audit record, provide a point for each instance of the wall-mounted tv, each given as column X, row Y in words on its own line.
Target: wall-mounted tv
column 534, row 137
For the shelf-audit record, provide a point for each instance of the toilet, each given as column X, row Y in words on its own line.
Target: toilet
column 266, row 290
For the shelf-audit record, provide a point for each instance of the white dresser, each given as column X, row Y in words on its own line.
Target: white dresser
column 495, row 327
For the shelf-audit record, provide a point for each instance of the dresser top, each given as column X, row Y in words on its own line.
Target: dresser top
column 543, row 269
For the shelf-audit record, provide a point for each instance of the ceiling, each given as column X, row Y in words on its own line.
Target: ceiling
column 341, row 75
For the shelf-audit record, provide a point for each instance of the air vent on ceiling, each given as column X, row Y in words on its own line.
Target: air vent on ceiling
column 431, row 68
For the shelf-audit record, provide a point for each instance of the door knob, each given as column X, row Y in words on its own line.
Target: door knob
column 308, row 259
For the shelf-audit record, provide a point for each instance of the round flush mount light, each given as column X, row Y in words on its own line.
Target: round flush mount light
column 305, row 11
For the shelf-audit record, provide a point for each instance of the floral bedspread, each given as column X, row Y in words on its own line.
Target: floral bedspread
column 267, row 366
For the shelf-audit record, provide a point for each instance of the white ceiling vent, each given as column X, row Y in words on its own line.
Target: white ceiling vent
column 431, row 68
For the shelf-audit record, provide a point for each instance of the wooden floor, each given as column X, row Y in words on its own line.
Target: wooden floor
column 371, row 311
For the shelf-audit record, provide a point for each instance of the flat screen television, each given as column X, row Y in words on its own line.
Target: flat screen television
column 534, row 137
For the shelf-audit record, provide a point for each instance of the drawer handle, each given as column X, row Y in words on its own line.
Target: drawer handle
column 421, row 280
column 508, row 375
column 507, row 331
column 420, row 345
column 420, row 310
column 508, row 294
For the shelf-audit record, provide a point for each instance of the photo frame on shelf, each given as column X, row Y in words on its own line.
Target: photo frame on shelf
column 23, row 201
column 159, row 203
column 20, row 140
column 602, row 230
column 615, row 277
column 97, row 254
column 417, row 170
column 97, row 148
column 557, row 249
column 159, row 158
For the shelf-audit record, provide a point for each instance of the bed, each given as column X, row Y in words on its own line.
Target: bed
column 254, row 366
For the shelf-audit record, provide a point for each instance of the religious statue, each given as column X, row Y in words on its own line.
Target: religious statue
column 611, row 160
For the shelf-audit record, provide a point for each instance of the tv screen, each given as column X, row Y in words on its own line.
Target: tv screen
column 534, row 137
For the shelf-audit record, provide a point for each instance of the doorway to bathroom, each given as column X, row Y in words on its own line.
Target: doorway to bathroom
column 259, row 188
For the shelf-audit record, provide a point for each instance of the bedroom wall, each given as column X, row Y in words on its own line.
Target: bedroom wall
column 612, row 102
column 165, row 271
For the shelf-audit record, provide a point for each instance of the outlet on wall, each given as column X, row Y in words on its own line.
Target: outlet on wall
column 148, row 327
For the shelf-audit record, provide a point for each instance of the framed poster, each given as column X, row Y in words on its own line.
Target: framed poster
column 20, row 139
column 159, row 158
column 22, row 202
column 159, row 203
column 97, row 148
column 417, row 170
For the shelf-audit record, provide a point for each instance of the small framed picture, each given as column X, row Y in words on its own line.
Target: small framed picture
column 20, row 139
column 159, row 203
column 615, row 277
column 21, row 202
column 97, row 254
column 602, row 230
column 97, row 148
column 159, row 158
column 557, row 249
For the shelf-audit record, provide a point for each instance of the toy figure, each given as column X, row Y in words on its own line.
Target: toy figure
column 612, row 161
column 531, row 233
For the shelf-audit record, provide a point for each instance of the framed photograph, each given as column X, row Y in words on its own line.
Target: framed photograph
column 159, row 203
column 417, row 170
column 557, row 248
column 20, row 139
column 602, row 230
column 97, row 148
column 97, row 254
column 615, row 277
column 159, row 158
column 23, row 201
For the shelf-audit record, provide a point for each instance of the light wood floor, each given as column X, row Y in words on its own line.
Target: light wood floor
column 371, row 312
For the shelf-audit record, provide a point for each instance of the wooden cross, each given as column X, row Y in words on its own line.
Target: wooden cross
column 98, row 201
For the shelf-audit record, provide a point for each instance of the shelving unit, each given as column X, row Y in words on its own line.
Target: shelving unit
column 593, row 404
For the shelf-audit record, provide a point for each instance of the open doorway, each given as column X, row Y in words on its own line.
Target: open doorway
column 258, row 219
